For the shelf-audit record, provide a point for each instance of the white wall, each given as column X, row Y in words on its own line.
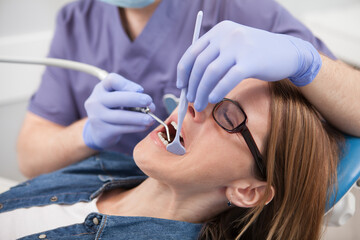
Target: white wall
column 336, row 22
column 25, row 30
column 19, row 17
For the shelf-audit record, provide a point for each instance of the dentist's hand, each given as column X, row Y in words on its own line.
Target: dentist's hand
column 231, row 52
column 107, row 118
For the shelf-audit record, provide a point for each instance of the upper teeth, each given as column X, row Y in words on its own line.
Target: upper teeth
column 174, row 124
column 165, row 142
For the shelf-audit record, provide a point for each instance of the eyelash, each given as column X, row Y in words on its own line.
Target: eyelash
column 228, row 120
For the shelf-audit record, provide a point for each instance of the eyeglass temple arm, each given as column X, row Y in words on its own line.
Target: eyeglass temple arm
column 254, row 150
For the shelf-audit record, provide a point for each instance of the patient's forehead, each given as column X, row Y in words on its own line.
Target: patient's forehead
column 251, row 92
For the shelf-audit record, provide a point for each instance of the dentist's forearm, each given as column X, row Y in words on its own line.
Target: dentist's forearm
column 44, row 146
column 335, row 92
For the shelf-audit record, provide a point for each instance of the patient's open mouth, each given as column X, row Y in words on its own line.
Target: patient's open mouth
column 172, row 130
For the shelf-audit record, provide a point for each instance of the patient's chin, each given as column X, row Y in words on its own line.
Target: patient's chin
column 146, row 158
column 142, row 156
column 139, row 151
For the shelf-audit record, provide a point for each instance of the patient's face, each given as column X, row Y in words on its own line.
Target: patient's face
column 214, row 157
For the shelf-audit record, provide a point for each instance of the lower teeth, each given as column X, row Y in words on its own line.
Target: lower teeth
column 163, row 140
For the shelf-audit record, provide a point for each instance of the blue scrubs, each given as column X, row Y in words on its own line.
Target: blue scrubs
column 91, row 31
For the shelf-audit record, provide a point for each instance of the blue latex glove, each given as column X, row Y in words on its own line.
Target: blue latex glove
column 107, row 118
column 231, row 52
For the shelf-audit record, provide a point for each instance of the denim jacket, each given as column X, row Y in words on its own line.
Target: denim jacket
column 85, row 181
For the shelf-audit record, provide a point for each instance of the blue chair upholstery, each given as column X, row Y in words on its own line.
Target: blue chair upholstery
column 348, row 170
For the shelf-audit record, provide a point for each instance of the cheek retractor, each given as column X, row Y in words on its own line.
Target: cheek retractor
column 176, row 147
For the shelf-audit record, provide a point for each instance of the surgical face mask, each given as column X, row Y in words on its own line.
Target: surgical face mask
column 130, row 3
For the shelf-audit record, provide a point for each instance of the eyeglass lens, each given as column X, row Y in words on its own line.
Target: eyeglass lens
column 229, row 115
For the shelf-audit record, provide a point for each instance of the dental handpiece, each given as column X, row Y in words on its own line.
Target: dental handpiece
column 147, row 111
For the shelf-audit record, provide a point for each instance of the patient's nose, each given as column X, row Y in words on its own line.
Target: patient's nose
column 199, row 116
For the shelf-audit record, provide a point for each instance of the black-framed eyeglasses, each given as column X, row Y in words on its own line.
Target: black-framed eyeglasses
column 231, row 117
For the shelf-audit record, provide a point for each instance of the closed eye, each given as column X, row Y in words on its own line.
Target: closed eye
column 228, row 120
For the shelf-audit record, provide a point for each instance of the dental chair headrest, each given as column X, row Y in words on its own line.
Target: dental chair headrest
column 348, row 170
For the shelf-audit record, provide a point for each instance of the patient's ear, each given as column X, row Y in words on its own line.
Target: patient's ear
column 248, row 193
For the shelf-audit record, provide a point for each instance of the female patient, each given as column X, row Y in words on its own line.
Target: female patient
column 258, row 166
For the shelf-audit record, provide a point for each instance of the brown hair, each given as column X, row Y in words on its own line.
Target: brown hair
column 301, row 156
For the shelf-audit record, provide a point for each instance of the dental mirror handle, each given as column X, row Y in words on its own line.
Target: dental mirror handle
column 183, row 104
column 182, row 109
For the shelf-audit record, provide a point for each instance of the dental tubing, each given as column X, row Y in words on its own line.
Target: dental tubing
column 73, row 65
column 82, row 67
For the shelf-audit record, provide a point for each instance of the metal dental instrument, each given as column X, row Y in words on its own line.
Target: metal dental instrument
column 82, row 67
column 176, row 147
column 147, row 111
